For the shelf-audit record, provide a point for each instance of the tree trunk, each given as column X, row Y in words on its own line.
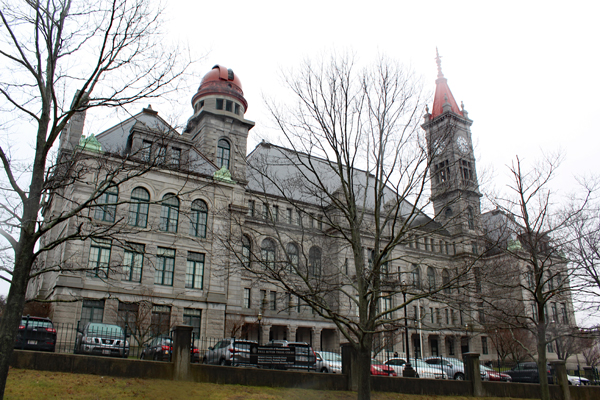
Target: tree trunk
column 542, row 361
column 363, row 361
column 14, row 308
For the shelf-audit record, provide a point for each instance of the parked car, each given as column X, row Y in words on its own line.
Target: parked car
column 578, row 380
column 101, row 340
column 378, row 368
column 229, row 352
column 328, row 362
column 397, row 364
column 161, row 349
column 528, row 372
column 493, row 375
column 36, row 333
column 454, row 368
column 428, row 371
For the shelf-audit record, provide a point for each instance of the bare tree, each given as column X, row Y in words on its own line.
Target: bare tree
column 529, row 282
column 329, row 212
column 110, row 54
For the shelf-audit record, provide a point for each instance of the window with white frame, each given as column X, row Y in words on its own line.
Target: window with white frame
column 133, row 262
column 165, row 265
column 195, row 271
column 99, row 259
column 169, row 213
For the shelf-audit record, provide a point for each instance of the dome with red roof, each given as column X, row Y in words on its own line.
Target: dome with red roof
column 221, row 81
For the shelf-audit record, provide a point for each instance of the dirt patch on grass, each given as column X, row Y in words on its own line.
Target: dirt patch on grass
column 29, row 384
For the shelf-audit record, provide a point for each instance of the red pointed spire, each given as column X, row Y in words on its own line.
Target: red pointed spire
column 443, row 95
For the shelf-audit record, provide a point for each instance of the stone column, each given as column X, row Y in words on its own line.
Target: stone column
column 442, row 346
column 348, row 361
column 264, row 334
column 182, row 338
column 473, row 373
column 560, row 376
column 291, row 333
column 316, row 338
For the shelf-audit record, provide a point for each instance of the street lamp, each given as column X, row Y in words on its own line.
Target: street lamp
column 408, row 370
column 259, row 318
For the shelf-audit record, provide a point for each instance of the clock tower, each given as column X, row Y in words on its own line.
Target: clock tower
column 454, row 187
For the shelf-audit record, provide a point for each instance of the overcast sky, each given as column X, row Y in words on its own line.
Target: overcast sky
column 526, row 71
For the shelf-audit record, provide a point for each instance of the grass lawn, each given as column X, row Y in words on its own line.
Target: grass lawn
column 29, row 384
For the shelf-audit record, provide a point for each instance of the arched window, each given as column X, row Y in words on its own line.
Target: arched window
column 169, row 213
column 470, row 218
column 246, row 251
column 223, row 152
column 267, row 253
column 293, row 257
column 198, row 218
column 314, row 261
column 431, row 278
column 138, row 209
column 106, row 210
column 416, row 276
column 446, row 281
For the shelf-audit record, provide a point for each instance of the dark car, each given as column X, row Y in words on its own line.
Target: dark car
column 102, row 340
column 36, row 333
column 161, row 349
column 229, row 352
column 528, row 372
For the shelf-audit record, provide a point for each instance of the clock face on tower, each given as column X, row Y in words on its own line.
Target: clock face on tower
column 462, row 144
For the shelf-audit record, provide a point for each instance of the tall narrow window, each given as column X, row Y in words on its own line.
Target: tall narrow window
column 106, row 208
column 466, row 171
column 442, row 172
column 228, row 105
column 293, row 257
column 563, row 310
column 146, row 151
column 265, row 211
column 247, row 298
column 223, row 152
column 133, row 261
column 484, row 345
column 199, row 216
column 416, row 276
column 431, row 278
column 161, row 155
column 219, row 105
column 251, row 208
column 175, row 157
column 169, row 213
column 194, row 274
column 446, row 281
column 268, row 253
column 99, row 259
column 193, row 317
column 554, row 313
column 160, row 320
column 91, row 311
column 237, row 109
column 138, row 209
column 470, row 218
column 289, row 215
column 273, row 301
column 165, row 265
column 477, row 275
column 275, row 213
column 246, row 251
column 314, row 261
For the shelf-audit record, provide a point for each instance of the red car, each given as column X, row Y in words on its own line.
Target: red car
column 493, row 375
column 378, row 368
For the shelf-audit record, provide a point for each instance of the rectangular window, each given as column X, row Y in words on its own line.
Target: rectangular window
column 133, row 262
column 251, row 208
column 442, row 172
column 466, row 170
column 481, row 312
column 247, row 298
column 549, row 347
column 146, row 151
column 219, row 104
column 438, row 316
column 193, row 318
column 447, row 317
column 229, row 105
column 299, row 305
column 452, row 317
column 265, row 211
column 175, row 157
column 127, row 316
column 289, row 215
column 484, row 345
column 563, row 310
column 275, row 213
column 165, row 265
column 106, row 208
column 474, row 247
column 273, row 301
column 426, row 242
column 161, row 320
column 320, row 223
column 298, row 218
column 161, row 155
column 98, row 262
column 237, row 109
column 431, row 315
column 195, row 271
column 91, row 311
column 554, row 313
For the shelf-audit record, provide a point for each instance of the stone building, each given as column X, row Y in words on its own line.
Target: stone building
column 166, row 261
